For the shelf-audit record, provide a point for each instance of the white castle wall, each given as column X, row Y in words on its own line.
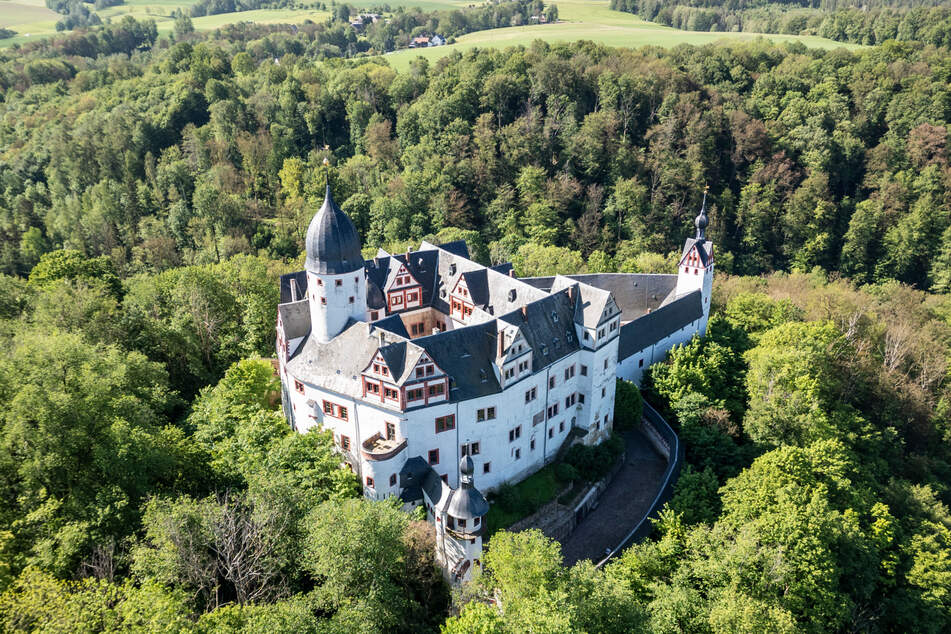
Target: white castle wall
column 330, row 302
column 418, row 426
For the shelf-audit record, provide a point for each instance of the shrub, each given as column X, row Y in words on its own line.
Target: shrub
column 566, row 472
column 509, row 499
column 628, row 406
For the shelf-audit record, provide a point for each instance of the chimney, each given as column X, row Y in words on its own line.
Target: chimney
column 525, row 313
column 501, row 344
column 293, row 290
column 382, row 338
column 571, row 292
column 512, row 272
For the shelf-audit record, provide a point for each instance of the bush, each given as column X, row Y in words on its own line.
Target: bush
column 593, row 463
column 508, row 498
column 628, row 406
column 566, row 472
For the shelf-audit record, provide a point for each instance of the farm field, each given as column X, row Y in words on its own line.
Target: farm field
column 580, row 19
column 594, row 20
column 31, row 19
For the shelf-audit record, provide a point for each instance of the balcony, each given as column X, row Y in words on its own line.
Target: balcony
column 377, row 448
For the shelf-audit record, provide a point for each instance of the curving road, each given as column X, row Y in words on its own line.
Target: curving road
column 626, row 501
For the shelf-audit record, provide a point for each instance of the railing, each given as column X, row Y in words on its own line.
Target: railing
column 377, row 448
column 662, row 435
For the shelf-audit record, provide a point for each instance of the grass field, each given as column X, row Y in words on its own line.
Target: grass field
column 593, row 20
column 31, row 19
column 580, row 20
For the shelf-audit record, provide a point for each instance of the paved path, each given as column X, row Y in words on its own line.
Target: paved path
column 622, row 506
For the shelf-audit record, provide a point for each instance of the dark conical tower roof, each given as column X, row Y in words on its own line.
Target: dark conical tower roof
column 333, row 246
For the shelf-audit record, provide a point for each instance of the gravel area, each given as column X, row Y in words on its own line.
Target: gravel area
column 622, row 506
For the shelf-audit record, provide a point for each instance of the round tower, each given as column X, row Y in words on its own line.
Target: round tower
column 336, row 283
column 465, row 525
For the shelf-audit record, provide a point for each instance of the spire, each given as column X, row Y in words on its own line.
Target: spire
column 701, row 221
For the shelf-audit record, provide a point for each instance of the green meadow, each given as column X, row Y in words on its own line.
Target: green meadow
column 579, row 20
column 594, row 20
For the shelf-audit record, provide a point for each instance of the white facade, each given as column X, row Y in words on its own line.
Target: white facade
column 422, row 360
column 335, row 299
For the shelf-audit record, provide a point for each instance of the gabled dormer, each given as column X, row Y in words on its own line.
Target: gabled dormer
column 513, row 359
column 460, row 300
column 379, row 382
column 425, row 368
column 401, row 277
column 402, row 289
column 427, row 383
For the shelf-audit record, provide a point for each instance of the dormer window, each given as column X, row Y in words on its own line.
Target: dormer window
column 483, row 376
column 452, row 269
column 545, row 350
column 554, row 316
column 512, row 295
column 569, row 337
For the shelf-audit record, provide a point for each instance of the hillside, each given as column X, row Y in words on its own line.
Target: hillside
column 153, row 191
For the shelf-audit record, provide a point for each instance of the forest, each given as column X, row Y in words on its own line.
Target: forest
column 844, row 21
column 153, row 189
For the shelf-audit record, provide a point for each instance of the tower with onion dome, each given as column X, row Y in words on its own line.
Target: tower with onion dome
column 336, row 282
column 695, row 270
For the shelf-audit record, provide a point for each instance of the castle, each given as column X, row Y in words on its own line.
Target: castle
column 434, row 371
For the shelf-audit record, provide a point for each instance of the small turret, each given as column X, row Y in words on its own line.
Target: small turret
column 467, row 502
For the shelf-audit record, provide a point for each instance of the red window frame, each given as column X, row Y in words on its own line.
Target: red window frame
column 393, row 480
column 447, row 422
column 298, row 386
column 345, row 442
column 370, row 482
column 337, row 411
column 433, row 456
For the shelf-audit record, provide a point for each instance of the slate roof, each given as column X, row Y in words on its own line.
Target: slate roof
column 412, row 477
column 478, row 285
column 548, row 327
column 457, row 247
column 467, row 355
column 505, row 268
column 333, row 246
column 634, row 293
column 466, row 503
column 293, row 286
column 594, row 301
column 704, row 249
column 338, row 364
column 381, row 272
column 295, row 317
column 392, row 324
column 656, row 325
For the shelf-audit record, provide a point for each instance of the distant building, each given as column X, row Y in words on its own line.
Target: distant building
column 419, row 42
column 431, row 369
column 437, row 40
